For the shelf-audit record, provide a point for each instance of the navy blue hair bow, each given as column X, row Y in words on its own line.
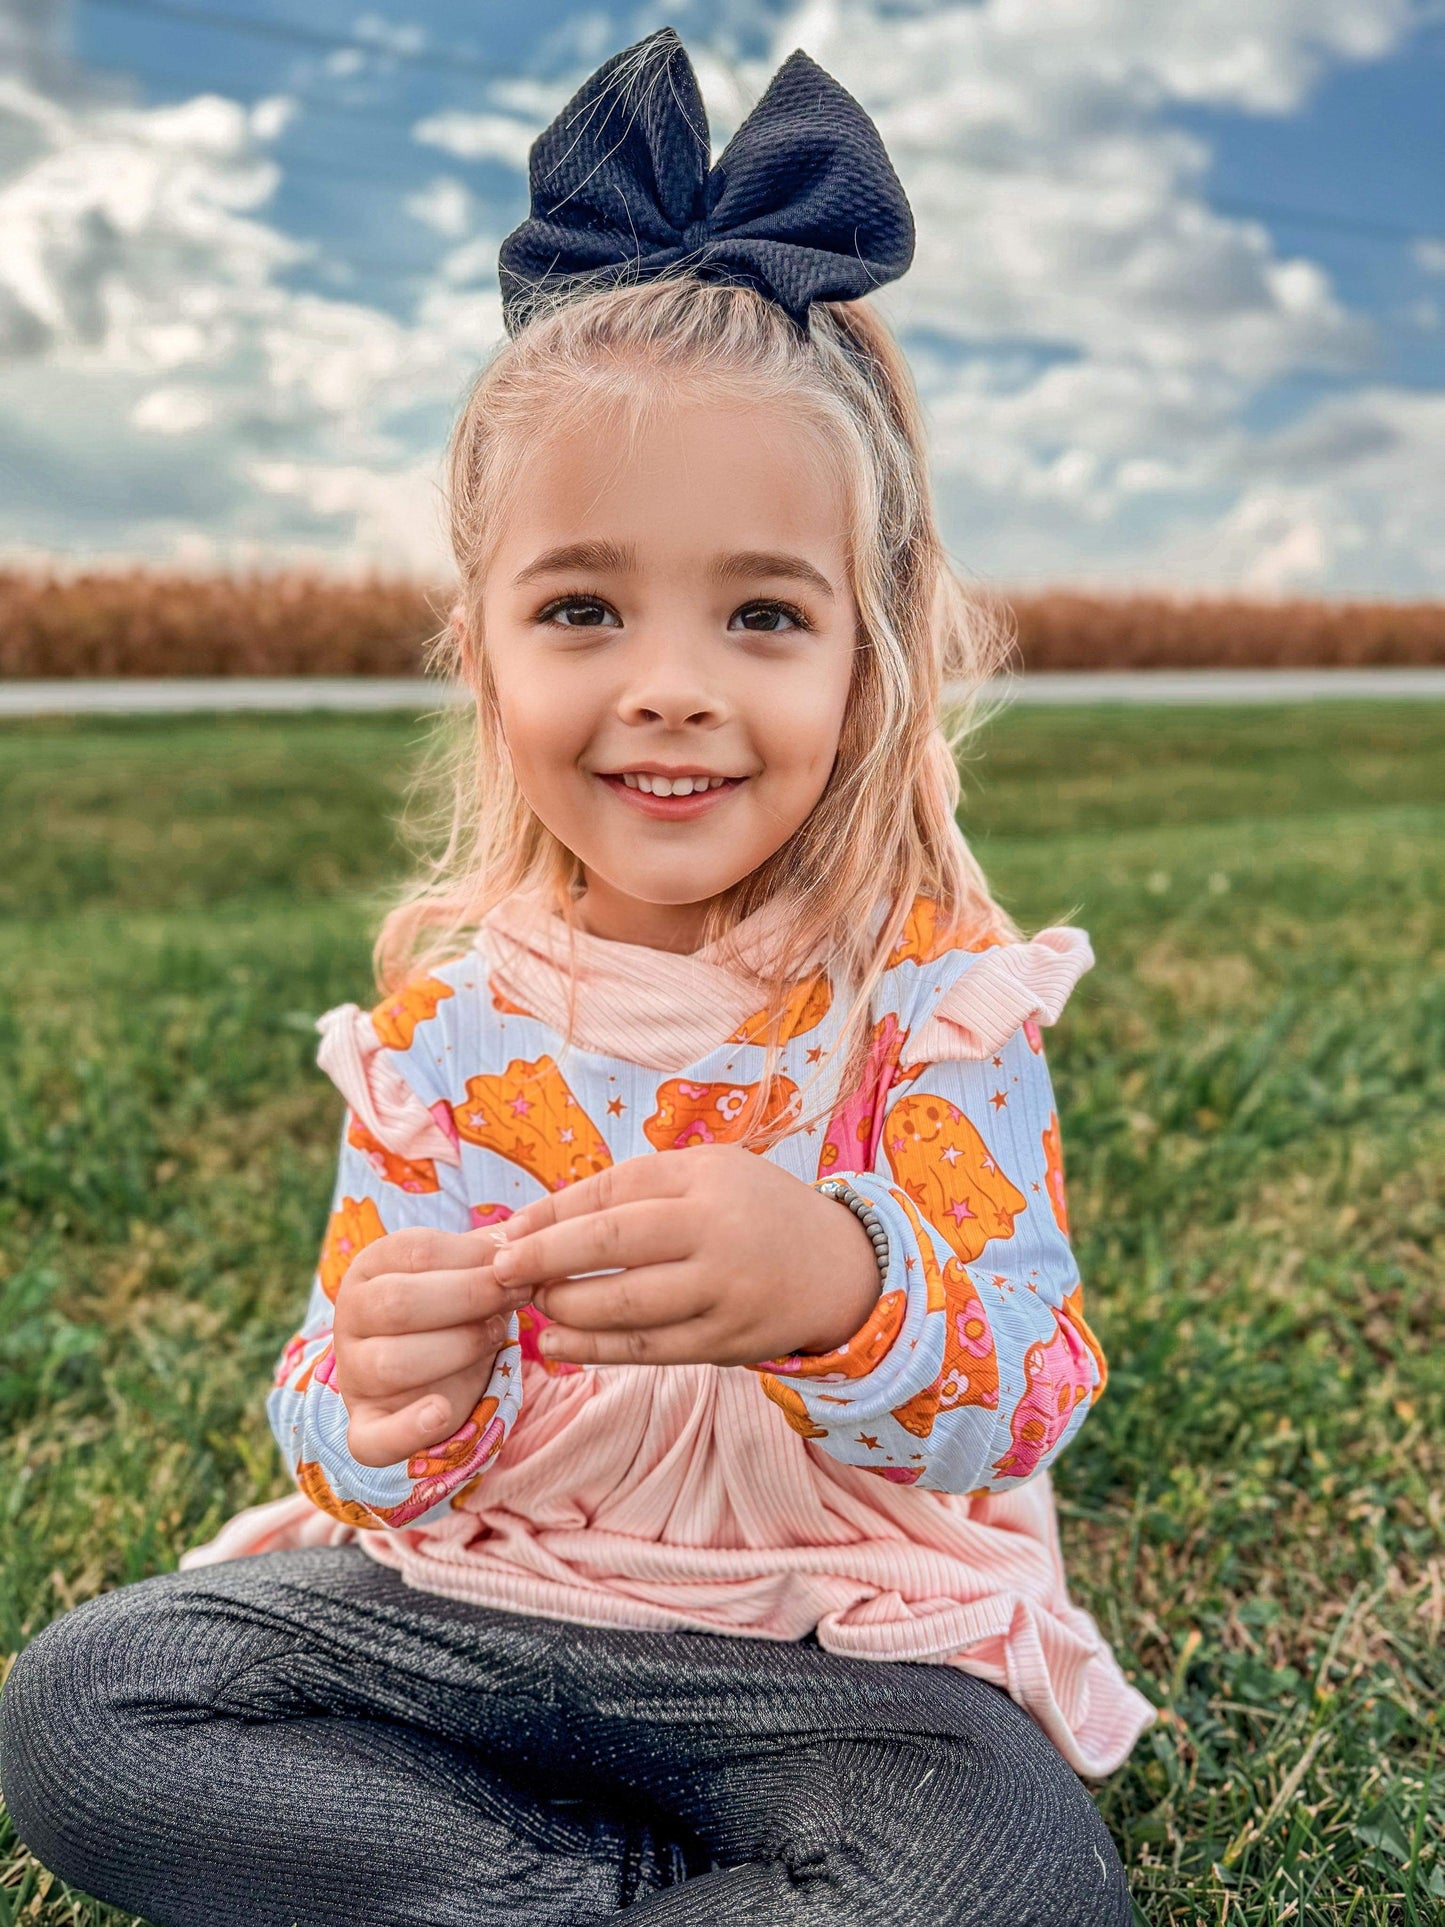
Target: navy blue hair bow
column 803, row 204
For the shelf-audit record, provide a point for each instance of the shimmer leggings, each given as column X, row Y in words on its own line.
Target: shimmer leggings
column 298, row 1738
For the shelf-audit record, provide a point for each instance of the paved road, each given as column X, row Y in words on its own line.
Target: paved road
column 138, row 696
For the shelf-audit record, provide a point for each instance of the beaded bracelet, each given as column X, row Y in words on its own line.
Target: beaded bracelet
column 840, row 1189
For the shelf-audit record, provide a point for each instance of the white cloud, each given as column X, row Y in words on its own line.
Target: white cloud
column 1089, row 335
column 478, row 137
column 443, row 205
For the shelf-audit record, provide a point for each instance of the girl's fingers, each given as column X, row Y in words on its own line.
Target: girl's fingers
column 385, row 1438
column 687, row 1343
column 640, row 1299
column 426, row 1301
column 649, row 1231
column 393, row 1367
column 656, row 1175
column 420, row 1247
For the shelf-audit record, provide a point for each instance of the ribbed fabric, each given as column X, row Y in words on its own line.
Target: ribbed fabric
column 302, row 1740
column 731, row 1500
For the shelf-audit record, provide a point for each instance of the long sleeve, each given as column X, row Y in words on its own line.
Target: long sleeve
column 976, row 1366
column 381, row 1185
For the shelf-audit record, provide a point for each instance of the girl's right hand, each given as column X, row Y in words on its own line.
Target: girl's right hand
column 419, row 1321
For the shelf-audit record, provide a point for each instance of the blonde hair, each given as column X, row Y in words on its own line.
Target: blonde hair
column 883, row 832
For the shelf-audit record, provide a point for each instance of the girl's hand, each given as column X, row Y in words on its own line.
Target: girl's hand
column 721, row 1258
column 420, row 1318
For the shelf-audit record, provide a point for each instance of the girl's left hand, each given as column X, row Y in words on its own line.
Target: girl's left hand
column 722, row 1258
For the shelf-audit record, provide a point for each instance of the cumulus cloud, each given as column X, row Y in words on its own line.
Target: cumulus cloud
column 1090, row 336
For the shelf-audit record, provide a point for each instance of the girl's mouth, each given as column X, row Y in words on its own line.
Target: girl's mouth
column 672, row 806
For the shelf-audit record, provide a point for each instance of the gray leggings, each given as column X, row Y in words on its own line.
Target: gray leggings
column 298, row 1738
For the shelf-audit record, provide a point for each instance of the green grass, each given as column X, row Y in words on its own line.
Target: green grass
column 1250, row 1081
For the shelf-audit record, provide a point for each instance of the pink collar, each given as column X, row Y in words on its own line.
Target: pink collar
column 661, row 1008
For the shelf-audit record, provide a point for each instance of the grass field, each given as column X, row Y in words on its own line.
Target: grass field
column 1250, row 1082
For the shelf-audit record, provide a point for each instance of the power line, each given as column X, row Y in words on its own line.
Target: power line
column 450, row 61
column 455, row 60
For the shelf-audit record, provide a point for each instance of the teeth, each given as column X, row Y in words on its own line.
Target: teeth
column 670, row 786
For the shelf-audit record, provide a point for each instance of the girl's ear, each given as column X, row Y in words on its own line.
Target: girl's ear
column 460, row 635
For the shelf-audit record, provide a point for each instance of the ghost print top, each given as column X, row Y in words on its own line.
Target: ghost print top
column 891, row 1496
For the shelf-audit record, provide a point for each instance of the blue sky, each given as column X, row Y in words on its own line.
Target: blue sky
column 1178, row 311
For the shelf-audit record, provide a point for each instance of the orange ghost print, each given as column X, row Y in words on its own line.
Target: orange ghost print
column 354, row 1224
column 470, row 1448
column 692, row 1113
column 396, row 1017
column 970, row 1363
column 528, row 1115
column 314, row 1483
column 1058, row 1376
column 502, row 1002
column 858, row 1355
column 943, row 1164
column 790, row 1401
column 416, row 1175
column 807, row 1005
column 850, row 1142
column 925, row 936
column 1073, row 1309
column 1054, row 1171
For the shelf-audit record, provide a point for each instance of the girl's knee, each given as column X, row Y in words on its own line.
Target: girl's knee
column 1039, row 1837
column 62, row 1732
column 996, row 1828
column 80, row 1762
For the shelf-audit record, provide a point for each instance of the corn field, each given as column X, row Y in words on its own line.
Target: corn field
column 144, row 622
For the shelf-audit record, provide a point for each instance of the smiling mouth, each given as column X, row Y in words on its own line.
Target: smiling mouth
column 650, row 803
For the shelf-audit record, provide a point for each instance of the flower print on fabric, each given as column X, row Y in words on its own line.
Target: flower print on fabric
column 693, row 1113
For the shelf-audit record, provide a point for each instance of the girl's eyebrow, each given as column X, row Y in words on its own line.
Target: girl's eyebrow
column 618, row 559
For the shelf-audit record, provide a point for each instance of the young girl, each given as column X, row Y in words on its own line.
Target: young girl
column 696, row 1320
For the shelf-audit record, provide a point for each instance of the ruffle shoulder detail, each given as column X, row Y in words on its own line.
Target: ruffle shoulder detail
column 1005, row 986
column 353, row 1057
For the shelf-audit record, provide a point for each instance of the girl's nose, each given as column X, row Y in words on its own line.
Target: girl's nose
column 670, row 690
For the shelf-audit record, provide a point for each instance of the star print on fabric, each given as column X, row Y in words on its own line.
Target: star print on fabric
column 1035, row 1184
column 998, row 1100
column 814, row 1053
column 958, row 1211
column 864, row 1439
column 998, row 1063
column 615, row 1108
column 521, row 1106
column 909, row 1263
column 951, row 1155
column 566, row 1137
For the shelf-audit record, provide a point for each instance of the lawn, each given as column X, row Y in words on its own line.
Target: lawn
column 1250, row 1082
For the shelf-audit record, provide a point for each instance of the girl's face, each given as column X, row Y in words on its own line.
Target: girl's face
column 683, row 609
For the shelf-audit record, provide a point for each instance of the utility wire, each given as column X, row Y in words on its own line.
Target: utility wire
column 456, row 61
column 450, row 61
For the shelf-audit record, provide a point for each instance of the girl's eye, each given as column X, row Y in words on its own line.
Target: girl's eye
column 592, row 609
column 769, row 613
column 584, row 612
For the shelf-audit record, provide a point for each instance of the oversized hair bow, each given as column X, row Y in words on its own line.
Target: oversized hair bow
column 802, row 205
